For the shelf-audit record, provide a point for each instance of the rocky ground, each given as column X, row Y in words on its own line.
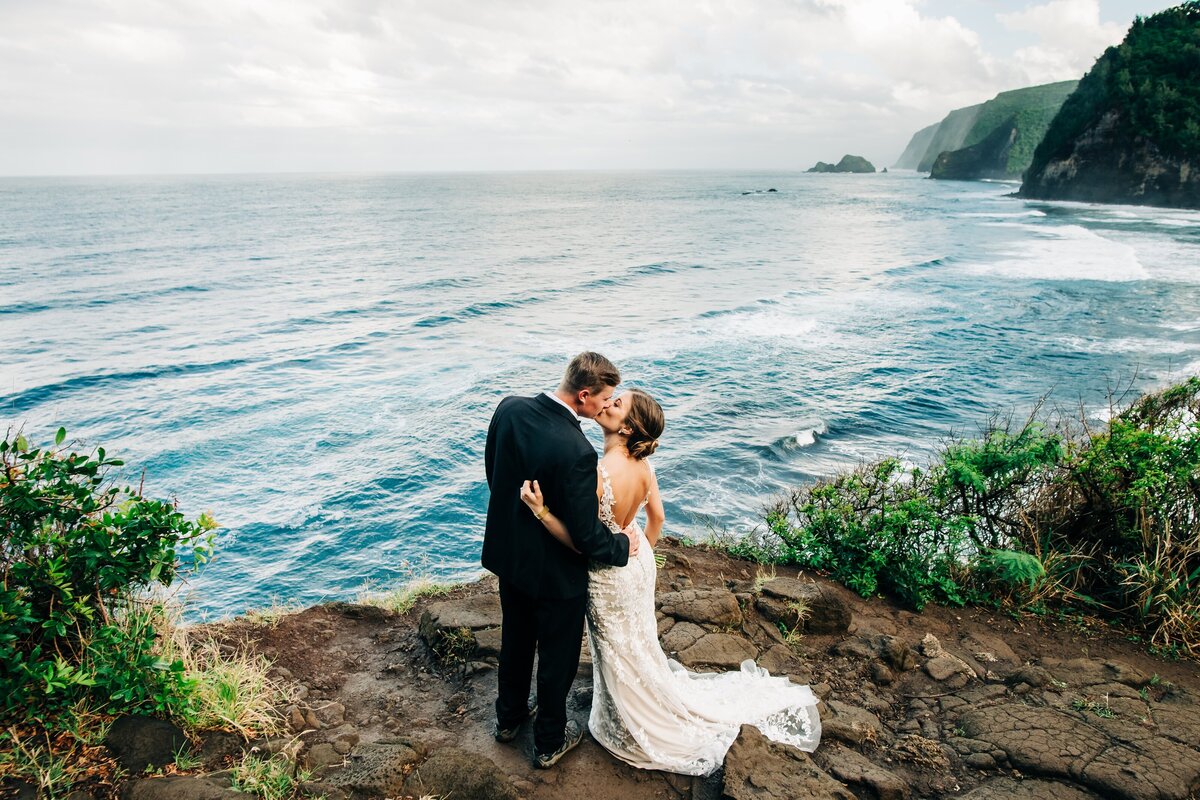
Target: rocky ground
column 948, row 703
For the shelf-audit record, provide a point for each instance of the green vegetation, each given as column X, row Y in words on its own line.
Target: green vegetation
column 82, row 637
column 271, row 778
column 1148, row 82
column 1028, row 514
column 402, row 600
column 1031, row 110
column 995, row 139
column 77, row 554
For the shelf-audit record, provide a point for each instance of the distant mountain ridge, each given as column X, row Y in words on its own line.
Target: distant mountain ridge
column 1026, row 113
column 1130, row 133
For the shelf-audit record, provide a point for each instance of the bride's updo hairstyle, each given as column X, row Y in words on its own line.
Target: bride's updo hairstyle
column 645, row 418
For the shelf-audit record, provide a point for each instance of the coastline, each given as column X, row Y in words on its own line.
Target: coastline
column 914, row 705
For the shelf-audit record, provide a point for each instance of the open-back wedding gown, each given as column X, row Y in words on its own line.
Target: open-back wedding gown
column 651, row 712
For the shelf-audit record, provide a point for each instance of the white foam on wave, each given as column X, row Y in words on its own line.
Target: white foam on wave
column 1068, row 252
column 773, row 324
column 807, row 437
column 1002, row 214
column 1125, row 345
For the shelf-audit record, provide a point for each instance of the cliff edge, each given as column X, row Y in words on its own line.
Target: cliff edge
column 1130, row 133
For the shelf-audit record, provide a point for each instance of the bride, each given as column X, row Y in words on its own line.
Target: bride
column 648, row 710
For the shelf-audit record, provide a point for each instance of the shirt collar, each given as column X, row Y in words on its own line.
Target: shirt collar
column 559, row 400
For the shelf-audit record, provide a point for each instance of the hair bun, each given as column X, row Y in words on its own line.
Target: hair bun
column 643, row 448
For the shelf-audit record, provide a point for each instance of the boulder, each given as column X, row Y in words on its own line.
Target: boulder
column 140, row 742
column 716, row 607
column 850, row 767
column 782, row 660
column 458, row 625
column 178, row 787
column 451, row 772
column 376, row 769
column 825, row 611
column 718, row 650
column 758, row 769
column 850, row 724
column 682, row 636
column 473, row 613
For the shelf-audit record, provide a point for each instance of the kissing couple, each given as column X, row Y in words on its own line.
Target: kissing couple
column 563, row 537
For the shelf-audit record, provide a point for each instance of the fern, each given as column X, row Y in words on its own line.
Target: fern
column 1013, row 567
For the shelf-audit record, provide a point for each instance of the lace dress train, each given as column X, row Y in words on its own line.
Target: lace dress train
column 650, row 711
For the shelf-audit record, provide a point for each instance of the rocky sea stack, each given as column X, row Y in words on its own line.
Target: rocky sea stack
column 1131, row 132
column 848, row 163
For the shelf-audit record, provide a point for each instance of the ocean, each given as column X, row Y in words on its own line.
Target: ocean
column 315, row 358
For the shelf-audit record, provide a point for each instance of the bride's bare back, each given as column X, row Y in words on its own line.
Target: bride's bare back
column 631, row 482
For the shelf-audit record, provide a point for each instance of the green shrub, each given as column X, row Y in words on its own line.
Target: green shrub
column 1026, row 514
column 76, row 551
column 875, row 529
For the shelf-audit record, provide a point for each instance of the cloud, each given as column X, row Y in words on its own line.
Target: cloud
column 204, row 85
column 1070, row 38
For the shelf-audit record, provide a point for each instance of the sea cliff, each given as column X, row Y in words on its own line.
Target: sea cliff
column 1130, row 133
column 995, row 139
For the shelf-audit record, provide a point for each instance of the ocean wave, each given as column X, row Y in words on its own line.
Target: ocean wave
column 1070, row 253
column 1126, row 344
column 22, row 402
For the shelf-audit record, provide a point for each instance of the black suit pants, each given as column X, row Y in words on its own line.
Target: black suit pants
column 554, row 629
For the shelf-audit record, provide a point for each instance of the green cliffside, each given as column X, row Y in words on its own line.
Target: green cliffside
column 951, row 134
column 1130, row 133
column 917, row 145
column 1027, row 112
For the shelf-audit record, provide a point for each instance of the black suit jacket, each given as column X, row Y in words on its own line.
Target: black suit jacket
column 537, row 438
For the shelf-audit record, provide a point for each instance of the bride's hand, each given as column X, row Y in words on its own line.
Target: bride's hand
column 531, row 495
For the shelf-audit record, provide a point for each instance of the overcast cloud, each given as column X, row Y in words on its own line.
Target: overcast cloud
column 138, row 86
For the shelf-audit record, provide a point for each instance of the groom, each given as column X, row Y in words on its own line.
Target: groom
column 543, row 585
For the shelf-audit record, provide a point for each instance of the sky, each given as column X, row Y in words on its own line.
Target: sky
column 233, row 86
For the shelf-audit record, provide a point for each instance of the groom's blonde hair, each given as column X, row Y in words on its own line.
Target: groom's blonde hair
column 590, row 371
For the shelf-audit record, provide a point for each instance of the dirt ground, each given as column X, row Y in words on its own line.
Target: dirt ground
column 378, row 668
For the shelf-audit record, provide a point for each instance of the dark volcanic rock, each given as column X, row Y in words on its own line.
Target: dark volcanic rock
column 799, row 602
column 1098, row 170
column 452, row 772
column 1045, row 741
column 178, row 787
column 848, row 163
column 717, row 607
column 140, row 742
column 758, row 769
column 849, row 766
column 479, row 615
column 377, row 769
column 1010, row 789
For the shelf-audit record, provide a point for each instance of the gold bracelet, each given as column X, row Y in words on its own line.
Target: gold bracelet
column 545, row 511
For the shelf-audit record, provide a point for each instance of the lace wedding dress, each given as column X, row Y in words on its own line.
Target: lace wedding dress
column 651, row 712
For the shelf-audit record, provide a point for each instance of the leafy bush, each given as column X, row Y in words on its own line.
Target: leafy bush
column 875, row 529
column 76, row 552
column 1025, row 514
column 1132, row 495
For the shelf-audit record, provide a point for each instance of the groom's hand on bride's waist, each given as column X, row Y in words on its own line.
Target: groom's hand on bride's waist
column 633, row 538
